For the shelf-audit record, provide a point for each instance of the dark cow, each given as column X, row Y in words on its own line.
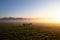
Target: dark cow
column 27, row 24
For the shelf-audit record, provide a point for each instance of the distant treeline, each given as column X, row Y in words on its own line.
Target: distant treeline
column 10, row 18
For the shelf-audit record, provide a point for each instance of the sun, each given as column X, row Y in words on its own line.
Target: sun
column 57, row 15
column 53, row 18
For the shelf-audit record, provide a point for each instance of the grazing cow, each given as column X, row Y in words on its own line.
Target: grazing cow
column 30, row 24
column 27, row 24
column 24, row 24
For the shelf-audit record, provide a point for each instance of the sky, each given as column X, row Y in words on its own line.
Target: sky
column 30, row 8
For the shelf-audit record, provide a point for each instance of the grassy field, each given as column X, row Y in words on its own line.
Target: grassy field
column 18, row 31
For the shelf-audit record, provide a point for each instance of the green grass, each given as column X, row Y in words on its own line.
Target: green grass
column 16, row 31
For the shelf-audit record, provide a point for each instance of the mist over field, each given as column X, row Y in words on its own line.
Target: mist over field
column 29, row 29
column 29, row 19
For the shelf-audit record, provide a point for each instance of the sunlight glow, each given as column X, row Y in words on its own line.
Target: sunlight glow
column 55, row 20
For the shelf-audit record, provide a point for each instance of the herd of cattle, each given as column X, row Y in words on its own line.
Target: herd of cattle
column 27, row 24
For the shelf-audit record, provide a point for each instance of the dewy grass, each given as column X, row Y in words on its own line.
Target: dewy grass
column 14, row 31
